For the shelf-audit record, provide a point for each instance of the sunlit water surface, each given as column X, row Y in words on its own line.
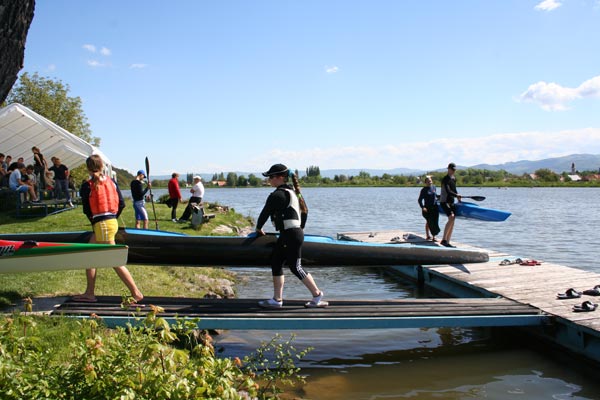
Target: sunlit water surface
column 553, row 225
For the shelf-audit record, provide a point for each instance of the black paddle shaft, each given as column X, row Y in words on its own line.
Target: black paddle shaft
column 476, row 198
column 151, row 195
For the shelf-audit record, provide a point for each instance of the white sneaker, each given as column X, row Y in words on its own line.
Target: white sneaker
column 174, row 220
column 270, row 303
column 317, row 302
column 71, row 204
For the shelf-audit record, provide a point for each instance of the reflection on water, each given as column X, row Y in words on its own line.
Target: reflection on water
column 494, row 374
column 441, row 363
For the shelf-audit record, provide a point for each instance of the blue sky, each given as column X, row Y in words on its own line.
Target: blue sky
column 211, row 86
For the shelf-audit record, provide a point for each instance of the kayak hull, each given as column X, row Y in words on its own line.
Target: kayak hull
column 468, row 210
column 168, row 248
column 30, row 256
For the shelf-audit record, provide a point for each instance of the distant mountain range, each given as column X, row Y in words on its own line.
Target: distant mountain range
column 583, row 162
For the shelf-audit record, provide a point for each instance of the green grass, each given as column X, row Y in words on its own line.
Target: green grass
column 152, row 280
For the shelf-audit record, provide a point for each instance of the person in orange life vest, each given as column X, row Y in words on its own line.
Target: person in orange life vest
column 102, row 204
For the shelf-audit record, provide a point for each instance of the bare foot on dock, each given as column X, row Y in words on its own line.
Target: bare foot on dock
column 84, row 298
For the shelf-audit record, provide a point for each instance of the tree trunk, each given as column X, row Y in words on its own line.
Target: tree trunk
column 15, row 18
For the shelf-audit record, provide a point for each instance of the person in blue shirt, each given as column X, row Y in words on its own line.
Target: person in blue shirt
column 18, row 184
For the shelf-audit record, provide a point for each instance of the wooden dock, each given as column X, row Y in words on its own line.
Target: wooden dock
column 533, row 285
column 482, row 295
column 357, row 314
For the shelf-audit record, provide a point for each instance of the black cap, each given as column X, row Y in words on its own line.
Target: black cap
column 452, row 166
column 276, row 169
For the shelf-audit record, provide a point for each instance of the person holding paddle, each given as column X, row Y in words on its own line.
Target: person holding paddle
column 447, row 197
column 287, row 209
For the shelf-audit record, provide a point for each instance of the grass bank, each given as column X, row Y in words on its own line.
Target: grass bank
column 152, row 280
column 60, row 358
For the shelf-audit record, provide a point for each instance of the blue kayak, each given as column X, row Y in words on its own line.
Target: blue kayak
column 467, row 210
column 169, row 248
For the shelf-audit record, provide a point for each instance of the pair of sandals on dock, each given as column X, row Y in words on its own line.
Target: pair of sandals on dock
column 587, row 305
column 519, row 261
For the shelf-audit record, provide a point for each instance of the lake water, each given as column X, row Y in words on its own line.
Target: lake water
column 548, row 224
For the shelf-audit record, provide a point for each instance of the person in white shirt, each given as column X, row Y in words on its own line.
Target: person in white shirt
column 197, row 192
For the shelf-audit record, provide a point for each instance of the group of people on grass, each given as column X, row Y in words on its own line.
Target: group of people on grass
column 33, row 178
column 429, row 200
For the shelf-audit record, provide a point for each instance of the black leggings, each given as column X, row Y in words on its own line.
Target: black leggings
column 288, row 251
column 174, row 203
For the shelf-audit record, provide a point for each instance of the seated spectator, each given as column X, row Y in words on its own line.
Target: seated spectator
column 32, row 177
column 3, row 166
column 17, row 184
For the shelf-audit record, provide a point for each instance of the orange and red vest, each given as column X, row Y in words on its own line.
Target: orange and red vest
column 104, row 199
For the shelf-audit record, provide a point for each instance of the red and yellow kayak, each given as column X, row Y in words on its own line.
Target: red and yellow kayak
column 33, row 256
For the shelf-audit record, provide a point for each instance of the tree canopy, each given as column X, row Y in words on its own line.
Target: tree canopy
column 50, row 98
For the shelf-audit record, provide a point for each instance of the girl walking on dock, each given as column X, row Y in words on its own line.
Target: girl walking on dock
column 287, row 209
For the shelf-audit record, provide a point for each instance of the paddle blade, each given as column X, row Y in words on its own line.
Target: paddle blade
column 147, row 168
column 476, row 198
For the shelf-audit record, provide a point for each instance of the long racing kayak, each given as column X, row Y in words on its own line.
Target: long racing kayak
column 169, row 248
column 468, row 210
column 32, row 256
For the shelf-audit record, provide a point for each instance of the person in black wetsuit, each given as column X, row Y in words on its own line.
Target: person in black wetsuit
column 429, row 208
column 287, row 210
column 447, row 197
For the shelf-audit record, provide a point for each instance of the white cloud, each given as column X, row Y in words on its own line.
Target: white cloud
column 95, row 63
column 554, row 97
column 89, row 47
column 331, row 70
column 548, row 5
column 105, row 51
column 495, row 149
column 138, row 66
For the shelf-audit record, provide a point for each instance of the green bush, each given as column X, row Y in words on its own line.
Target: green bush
column 89, row 361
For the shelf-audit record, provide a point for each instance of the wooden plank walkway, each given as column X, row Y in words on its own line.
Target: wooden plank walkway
column 536, row 286
column 357, row 314
column 532, row 285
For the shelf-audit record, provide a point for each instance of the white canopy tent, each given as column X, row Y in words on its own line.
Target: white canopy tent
column 22, row 128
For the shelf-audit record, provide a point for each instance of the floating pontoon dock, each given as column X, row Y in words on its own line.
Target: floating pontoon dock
column 245, row 313
column 533, row 285
column 483, row 295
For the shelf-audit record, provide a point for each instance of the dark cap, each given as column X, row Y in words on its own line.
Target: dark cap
column 142, row 172
column 452, row 166
column 276, row 169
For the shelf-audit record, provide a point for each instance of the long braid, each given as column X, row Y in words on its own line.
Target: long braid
column 303, row 206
